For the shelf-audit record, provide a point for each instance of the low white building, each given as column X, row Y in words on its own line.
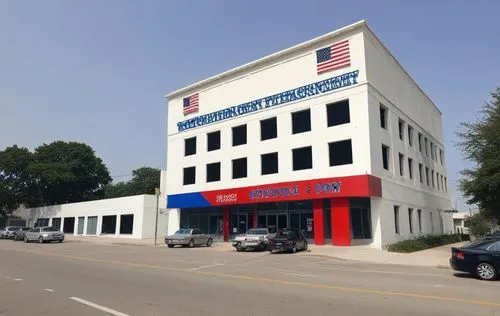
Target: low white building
column 126, row 217
column 459, row 219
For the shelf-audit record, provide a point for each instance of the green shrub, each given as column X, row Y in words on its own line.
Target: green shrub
column 426, row 242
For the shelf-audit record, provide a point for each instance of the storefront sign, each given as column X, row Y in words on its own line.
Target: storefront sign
column 330, row 84
column 353, row 186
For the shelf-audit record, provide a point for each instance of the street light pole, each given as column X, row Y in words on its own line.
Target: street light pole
column 157, row 193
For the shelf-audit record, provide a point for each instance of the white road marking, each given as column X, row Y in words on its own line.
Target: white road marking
column 438, row 285
column 49, row 290
column 209, row 266
column 99, row 307
column 18, row 279
column 302, row 275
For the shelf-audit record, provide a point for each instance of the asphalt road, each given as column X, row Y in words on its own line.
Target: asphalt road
column 91, row 279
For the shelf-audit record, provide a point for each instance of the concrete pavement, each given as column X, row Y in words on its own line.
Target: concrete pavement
column 100, row 279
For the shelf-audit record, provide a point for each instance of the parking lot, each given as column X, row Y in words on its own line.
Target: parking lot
column 78, row 278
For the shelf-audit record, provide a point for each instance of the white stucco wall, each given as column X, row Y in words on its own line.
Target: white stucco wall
column 141, row 206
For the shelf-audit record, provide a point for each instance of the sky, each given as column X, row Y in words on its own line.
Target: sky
column 97, row 71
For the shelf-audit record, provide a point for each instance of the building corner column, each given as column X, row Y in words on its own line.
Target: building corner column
column 225, row 222
column 318, row 223
column 341, row 222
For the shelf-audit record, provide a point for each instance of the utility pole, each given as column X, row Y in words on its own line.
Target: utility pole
column 157, row 193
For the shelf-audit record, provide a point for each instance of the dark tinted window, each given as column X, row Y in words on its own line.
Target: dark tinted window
column 340, row 152
column 213, row 141
column 495, row 247
column 301, row 121
column 269, row 163
column 302, row 158
column 385, row 157
column 240, row 168
column 239, row 135
column 213, row 172
column 479, row 244
column 338, row 113
column 189, row 175
column 190, row 146
column 383, row 117
column 401, row 167
column 268, row 129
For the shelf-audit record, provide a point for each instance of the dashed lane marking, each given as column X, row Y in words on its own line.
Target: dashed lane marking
column 99, row 307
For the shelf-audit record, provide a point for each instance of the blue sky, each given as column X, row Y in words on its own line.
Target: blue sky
column 97, row 71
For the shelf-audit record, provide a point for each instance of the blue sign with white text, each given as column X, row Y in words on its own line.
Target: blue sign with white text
column 334, row 83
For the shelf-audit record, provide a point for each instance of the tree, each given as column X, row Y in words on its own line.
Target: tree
column 68, row 172
column 478, row 224
column 480, row 143
column 144, row 181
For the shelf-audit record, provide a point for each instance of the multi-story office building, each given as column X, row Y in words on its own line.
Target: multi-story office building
column 331, row 136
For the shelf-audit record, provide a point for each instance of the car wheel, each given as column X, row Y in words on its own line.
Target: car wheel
column 294, row 248
column 305, row 246
column 486, row 271
column 209, row 242
column 26, row 239
column 170, row 246
column 40, row 240
column 60, row 241
column 191, row 243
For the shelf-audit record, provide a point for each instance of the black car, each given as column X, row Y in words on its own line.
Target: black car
column 481, row 258
column 287, row 239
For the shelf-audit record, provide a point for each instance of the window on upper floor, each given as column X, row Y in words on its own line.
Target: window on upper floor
column 445, row 185
column 441, row 156
column 301, row 121
column 410, row 168
column 410, row 135
column 432, row 150
column 240, row 168
column 421, row 173
column 213, row 141
column 383, row 116
column 213, row 172
column 401, row 164
column 189, row 175
column 338, row 113
column 340, row 153
column 302, row 158
column 269, row 163
column 268, row 128
column 401, row 129
column 432, row 176
column 190, row 146
column 426, row 143
column 385, row 156
column 239, row 135
column 427, row 177
column 437, row 180
column 420, row 142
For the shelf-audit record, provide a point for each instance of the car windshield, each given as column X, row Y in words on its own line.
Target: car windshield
column 258, row 231
column 50, row 229
column 183, row 232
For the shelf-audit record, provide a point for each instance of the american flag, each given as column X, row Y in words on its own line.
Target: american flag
column 334, row 57
column 190, row 104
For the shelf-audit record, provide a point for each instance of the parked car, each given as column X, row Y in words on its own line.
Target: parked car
column 8, row 233
column 481, row 258
column 188, row 237
column 20, row 233
column 44, row 234
column 2, row 230
column 288, row 239
column 255, row 238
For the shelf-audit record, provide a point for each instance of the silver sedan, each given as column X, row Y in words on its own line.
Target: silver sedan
column 44, row 234
column 188, row 237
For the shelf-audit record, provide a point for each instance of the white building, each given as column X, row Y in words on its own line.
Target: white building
column 331, row 136
column 126, row 217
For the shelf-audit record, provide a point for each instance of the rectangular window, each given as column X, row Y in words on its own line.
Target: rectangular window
column 240, row 168
column 441, row 156
column 396, row 218
column 437, row 180
column 432, row 175
column 269, row 163
column 189, row 175
column 239, row 135
column 442, row 182
column 213, row 141
column 410, row 135
column 419, row 142
column 426, row 143
column 268, row 128
column 401, row 128
column 213, row 172
column 445, row 185
column 432, row 150
column 410, row 168
column 301, row 121
column 108, row 224
column 338, row 113
column 340, row 153
column 419, row 214
column 427, row 178
column 385, row 157
column 420, row 173
column 302, row 158
column 127, row 224
column 190, row 146
column 401, row 164
column 410, row 219
column 383, row 116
